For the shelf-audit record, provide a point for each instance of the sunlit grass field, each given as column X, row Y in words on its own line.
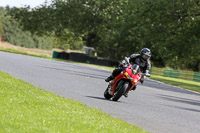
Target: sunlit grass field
column 26, row 109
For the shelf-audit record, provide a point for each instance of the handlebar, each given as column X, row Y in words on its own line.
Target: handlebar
column 145, row 74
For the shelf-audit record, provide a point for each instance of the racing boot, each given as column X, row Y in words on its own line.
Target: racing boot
column 109, row 78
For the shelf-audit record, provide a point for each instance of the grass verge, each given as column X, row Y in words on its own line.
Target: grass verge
column 186, row 84
column 24, row 53
column 24, row 108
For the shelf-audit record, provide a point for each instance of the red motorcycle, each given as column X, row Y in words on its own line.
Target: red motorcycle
column 124, row 82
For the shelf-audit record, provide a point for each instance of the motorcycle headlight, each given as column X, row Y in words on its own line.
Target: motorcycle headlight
column 135, row 80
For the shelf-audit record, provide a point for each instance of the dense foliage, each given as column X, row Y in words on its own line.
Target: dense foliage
column 118, row 28
column 11, row 32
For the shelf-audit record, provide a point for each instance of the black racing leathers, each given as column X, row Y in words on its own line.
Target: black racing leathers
column 144, row 64
column 133, row 59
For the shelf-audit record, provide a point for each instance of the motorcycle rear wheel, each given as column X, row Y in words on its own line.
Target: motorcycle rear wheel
column 121, row 91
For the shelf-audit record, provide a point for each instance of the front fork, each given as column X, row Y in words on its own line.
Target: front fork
column 130, row 87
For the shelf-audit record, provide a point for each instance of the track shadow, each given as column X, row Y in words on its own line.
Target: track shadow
column 182, row 108
column 101, row 98
column 180, row 100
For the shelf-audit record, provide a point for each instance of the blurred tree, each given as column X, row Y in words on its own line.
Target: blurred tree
column 119, row 28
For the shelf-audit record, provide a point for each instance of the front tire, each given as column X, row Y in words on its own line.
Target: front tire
column 106, row 94
column 121, row 91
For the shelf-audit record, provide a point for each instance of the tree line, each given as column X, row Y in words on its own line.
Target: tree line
column 118, row 28
column 11, row 31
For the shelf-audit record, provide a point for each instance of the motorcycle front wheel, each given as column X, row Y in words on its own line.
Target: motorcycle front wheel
column 121, row 91
column 106, row 94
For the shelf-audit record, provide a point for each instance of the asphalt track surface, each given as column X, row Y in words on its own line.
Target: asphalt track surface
column 154, row 106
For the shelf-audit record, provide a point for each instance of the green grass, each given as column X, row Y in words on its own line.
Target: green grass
column 186, row 84
column 24, row 108
column 24, row 53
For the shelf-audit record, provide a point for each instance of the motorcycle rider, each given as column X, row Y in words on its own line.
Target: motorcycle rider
column 141, row 59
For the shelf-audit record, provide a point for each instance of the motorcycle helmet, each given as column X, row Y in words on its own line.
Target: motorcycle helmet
column 145, row 54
